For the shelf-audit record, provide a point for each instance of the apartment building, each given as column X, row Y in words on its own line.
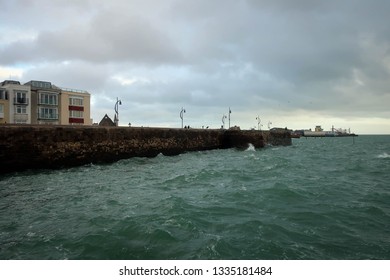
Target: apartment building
column 17, row 99
column 41, row 102
column 45, row 102
column 75, row 107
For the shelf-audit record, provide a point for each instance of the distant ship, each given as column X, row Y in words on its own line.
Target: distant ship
column 319, row 132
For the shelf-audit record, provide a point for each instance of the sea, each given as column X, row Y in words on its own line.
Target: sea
column 318, row 199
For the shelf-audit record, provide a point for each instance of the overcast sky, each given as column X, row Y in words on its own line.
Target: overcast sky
column 296, row 64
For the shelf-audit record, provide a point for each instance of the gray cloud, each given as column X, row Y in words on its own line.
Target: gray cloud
column 328, row 58
column 111, row 35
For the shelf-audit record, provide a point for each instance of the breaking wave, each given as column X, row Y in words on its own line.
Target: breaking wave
column 251, row 148
column 383, row 155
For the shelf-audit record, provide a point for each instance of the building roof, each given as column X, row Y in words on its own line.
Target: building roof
column 106, row 121
column 10, row 82
column 40, row 84
column 71, row 90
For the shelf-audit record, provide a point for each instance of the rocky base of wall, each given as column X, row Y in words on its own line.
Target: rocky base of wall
column 31, row 147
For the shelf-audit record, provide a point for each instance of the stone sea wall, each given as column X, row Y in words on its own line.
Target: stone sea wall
column 30, row 147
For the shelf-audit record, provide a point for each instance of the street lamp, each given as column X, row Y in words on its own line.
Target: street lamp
column 116, row 118
column 230, row 111
column 182, row 115
column 223, row 120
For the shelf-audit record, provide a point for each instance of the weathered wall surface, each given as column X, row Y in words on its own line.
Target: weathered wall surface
column 31, row 147
column 277, row 138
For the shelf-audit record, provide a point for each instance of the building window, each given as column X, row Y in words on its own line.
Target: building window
column 20, row 110
column 48, row 98
column 40, row 84
column 48, row 113
column 3, row 94
column 76, row 101
column 1, row 110
column 20, row 97
column 76, row 114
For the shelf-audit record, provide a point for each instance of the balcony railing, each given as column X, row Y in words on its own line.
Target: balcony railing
column 47, row 102
column 21, row 100
column 20, row 117
column 48, row 116
column 74, row 90
column 76, row 120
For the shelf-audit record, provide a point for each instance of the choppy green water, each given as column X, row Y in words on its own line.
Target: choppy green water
column 318, row 199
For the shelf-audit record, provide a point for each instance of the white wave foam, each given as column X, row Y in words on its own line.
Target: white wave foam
column 384, row 155
column 251, row 148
